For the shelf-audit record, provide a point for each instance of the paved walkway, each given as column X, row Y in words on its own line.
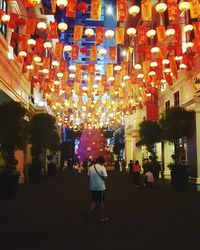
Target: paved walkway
column 51, row 216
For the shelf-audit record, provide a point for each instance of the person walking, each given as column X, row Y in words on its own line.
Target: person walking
column 136, row 174
column 97, row 174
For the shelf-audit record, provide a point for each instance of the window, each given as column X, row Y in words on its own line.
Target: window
column 3, row 6
column 176, row 99
column 167, row 104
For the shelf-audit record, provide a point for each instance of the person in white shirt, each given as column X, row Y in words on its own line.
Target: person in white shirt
column 98, row 175
column 149, row 179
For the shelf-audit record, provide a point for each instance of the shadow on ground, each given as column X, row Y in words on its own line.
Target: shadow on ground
column 51, row 216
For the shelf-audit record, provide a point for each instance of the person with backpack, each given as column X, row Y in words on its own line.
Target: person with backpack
column 98, row 175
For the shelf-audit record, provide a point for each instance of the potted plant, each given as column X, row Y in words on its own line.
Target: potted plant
column 176, row 124
column 150, row 133
column 43, row 136
column 12, row 130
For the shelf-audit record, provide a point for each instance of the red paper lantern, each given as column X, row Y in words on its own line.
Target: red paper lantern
column 83, row 50
column 84, row 67
column 21, row 21
column 82, row 7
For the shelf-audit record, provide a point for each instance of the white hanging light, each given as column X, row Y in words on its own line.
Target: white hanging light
column 161, row 7
column 155, row 50
column 98, row 67
column 22, row 53
column 31, row 42
column 45, row 71
column 152, row 73
column 5, row 18
column 167, row 70
column 189, row 45
column 89, row 32
column 67, row 48
column 151, row 33
column 170, row 32
column 188, row 28
column 61, row 3
column 153, row 64
column 165, row 61
column 131, row 31
column 55, row 63
column 72, row 68
column 102, row 52
column 59, row 74
column 117, row 68
column 62, row 26
column 47, row 45
column 72, row 75
column 42, row 26
column 140, row 76
column 134, row 10
column 184, row 6
column 109, row 34
column 137, row 66
column 37, row 59
column 182, row 66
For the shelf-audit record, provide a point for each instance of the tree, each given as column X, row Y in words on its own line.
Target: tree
column 92, row 144
column 150, row 133
column 175, row 125
column 12, row 130
column 43, row 134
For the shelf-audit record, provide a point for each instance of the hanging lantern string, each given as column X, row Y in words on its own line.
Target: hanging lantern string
column 107, row 27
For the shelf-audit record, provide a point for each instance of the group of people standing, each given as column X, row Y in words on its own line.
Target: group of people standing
column 151, row 171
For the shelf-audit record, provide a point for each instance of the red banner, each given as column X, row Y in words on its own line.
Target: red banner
column 75, row 51
column 63, row 65
column 99, row 38
column 121, row 10
column 52, row 74
column 112, row 53
column 93, row 52
column 78, row 32
column 71, row 8
column 38, row 49
column 177, row 35
column 160, row 33
column 142, row 37
column 58, row 51
column 46, row 62
column 168, row 78
column 148, row 53
column 29, row 59
column 152, row 109
column 91, row 69
column 53, row 6
column 53, row 34
column 95, row 9
column 196, row 26
column 13, row 21
column 173, row 10
column 30, row 26
column 23, row 42
column 146, row 10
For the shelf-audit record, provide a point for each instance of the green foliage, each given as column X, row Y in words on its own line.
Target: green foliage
column 176, row 123
column 43, row 134
column 150, row 133
column 12, row 127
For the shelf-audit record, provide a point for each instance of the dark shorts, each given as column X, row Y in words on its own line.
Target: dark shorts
column 98, row 196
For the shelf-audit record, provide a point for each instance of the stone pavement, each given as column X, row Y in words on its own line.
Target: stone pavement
column 51, row 216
